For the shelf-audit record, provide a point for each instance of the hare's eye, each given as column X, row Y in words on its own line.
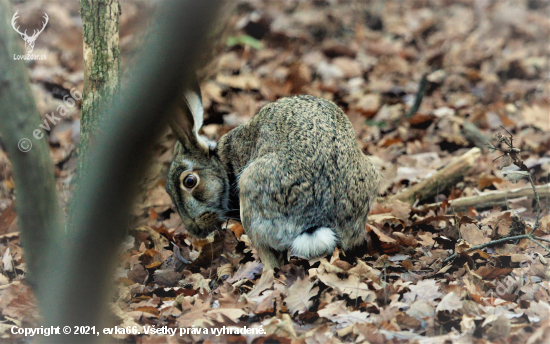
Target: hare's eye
column 189, row 181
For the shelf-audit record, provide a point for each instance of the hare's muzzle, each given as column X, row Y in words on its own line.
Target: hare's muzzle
column 204, row 224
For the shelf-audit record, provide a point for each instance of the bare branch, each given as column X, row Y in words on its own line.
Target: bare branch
column 498, row 157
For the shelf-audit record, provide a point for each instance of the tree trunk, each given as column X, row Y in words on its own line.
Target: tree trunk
column 100, row 25
column 37, row 205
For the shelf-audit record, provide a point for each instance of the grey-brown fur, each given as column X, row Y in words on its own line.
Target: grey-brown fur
column 294, row 166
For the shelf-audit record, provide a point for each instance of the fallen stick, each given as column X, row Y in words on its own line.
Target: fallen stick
column 491, row 198
column 443, row 179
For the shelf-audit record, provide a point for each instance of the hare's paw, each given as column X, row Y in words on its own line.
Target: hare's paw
column 270, row 259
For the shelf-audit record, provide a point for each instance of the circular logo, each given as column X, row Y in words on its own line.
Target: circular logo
column 24, row 145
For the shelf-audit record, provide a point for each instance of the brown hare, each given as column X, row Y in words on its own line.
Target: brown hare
column 294, row 172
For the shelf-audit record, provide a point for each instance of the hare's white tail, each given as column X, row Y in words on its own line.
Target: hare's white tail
column 313, row 244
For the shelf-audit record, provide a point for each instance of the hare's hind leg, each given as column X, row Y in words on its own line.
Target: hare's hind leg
column 269, row 258
column 266, row 217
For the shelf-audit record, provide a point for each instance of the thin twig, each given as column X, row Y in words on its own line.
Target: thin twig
column 490, row 243
column 537, row 202
column 518, row 162
column 422, row 86
column 538, row 243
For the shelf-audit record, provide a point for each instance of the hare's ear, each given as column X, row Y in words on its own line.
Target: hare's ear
column 187, row 120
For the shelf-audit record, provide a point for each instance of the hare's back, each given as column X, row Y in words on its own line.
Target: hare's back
column 314, row 157
column 303, row 123
column 307, row 172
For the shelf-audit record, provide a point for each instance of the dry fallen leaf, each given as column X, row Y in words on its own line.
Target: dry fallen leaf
column 472, row 234
column 364, row 270
column 243, row 82
column 333, row 308
column 421, row 310
column 359, row 56
column 17, row 301
column 537, row 115
column 388, row 244
column 299, row 295
column 345, row 320
column 232, row 313
column 148, row 309
column 405, row 239
column 400, row 210
column 352, row 286
column 167, row 278
column 450, row 302
column 425, row 290
column 197, row 281
column 265, row 282
column 247, row 271
column 7, row 260
column 490, row 273
column 500, row 328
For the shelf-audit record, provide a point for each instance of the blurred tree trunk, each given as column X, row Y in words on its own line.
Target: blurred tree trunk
column 100, row 25
column 37, row 207
column 81, row 271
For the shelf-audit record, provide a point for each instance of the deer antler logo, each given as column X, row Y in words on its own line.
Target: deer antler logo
column 29, row 40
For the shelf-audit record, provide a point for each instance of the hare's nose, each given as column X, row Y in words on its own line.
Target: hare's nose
column 207, row 219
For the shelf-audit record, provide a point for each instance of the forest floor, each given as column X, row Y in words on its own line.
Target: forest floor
column 481, row 64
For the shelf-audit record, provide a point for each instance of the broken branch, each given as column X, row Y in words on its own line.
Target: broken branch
column 492, row 198
column 442, row 180
column 494, row 242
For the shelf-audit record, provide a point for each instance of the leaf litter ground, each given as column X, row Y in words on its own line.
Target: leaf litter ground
column 485, row 63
